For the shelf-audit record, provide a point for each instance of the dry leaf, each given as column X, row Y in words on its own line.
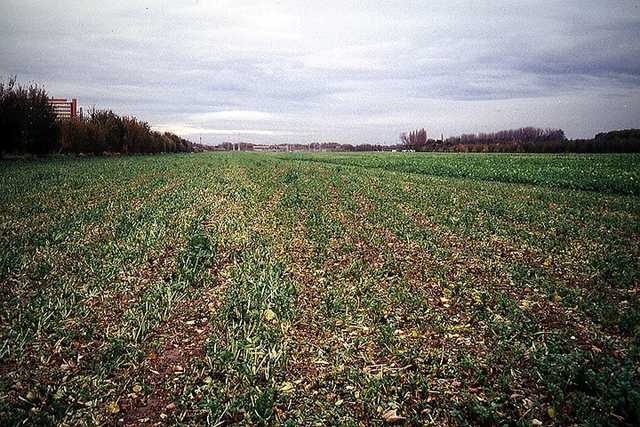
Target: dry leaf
column 269, row 315
column 113, row 408
column 391, row 416
column 286, row 387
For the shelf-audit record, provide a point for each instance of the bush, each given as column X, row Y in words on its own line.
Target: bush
column 28, row 125
column 111, row 130
column 27, row 121
column 106, row 132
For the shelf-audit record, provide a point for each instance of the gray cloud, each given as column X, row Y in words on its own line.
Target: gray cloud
column 349, row 72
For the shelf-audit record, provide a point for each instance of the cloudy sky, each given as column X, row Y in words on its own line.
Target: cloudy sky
column 351, row 72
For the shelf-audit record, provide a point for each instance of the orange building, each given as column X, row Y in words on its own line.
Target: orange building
column 64, row 109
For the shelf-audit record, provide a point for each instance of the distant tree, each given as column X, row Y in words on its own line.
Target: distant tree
column 627, row 140
column 415, row 140
column 522, row 135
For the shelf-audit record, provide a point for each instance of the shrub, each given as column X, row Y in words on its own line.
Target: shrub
column 27, row 121
column 28, row 125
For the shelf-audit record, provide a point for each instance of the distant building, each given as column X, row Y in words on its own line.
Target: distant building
column 64, row 109
column 260, row 147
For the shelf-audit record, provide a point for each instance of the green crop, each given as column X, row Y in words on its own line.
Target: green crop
column 325, row 288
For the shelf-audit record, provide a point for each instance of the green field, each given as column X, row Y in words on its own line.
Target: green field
column 321, row 289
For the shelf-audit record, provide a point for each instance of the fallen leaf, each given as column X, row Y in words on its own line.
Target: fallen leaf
column 551, row 411
column 113, row 408
column 391, row 416
column 286, row 387
column 269, row 315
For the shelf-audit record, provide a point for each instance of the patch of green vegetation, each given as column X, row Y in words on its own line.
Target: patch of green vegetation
column 321, row 289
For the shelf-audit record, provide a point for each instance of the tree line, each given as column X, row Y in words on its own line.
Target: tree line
column 297, row 147
column 28, row 125
column 525, row 140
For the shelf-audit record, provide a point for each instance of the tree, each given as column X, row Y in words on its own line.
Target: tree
column 415, row 140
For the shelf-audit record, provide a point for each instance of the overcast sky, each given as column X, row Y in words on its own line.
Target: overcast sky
column 351, row 72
